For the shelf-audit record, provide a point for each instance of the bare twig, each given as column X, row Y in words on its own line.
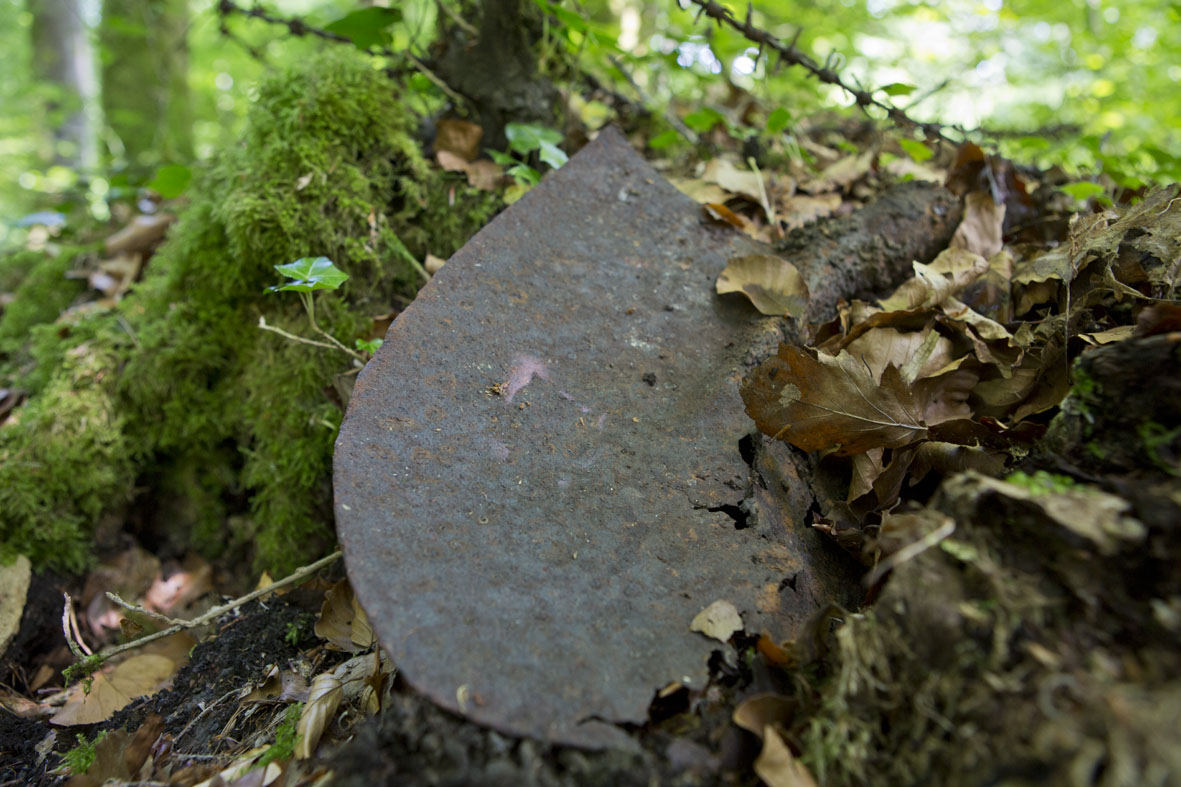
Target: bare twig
column 213, row 614
column 69, row 626
column 788, row 53
column 262, row 323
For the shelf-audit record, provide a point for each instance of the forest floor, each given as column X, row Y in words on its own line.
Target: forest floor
column 1021, row 620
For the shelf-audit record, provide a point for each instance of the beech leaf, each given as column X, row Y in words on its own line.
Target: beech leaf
column 771, row 283
column 832, row 402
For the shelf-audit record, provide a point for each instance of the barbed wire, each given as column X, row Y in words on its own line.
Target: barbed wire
column 790, row 54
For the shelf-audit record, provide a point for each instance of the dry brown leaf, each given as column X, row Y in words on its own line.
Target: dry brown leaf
column 460, row 137
column 947, row 275
column 451, row 162
column 141, row 235
column 723, row 215
column 485, row 175
column 866, row 469
column 347, row 681
column 114, row 689
column 827, row 402
column 842, row 173
column 186, row 583
column 771, row 283
column 722, row 173
column 753, row 714
column 342, row 621
column 14, row 589
column 1111, row 335
column 917, row 354
column 700, row 191
column 777, row 766
column 720, row 620
column 800, row 210
column 980, row 231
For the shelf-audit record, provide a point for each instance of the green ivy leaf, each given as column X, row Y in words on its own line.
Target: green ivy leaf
column 524, row 138
column 665, row 139
column 778, row 120
column 551, row 154
column 369, row 345
column 703, row 119
column 1083, row 190
column 524, row 175
column 366, row 28
column 898, row 89
column 916, row 150
column 309, row 274
column 171, row 181
column 503, row 159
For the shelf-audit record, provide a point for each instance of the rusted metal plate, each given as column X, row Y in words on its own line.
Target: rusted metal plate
column 531, row 476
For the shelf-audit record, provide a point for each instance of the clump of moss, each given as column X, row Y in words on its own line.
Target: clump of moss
column 180, row 388
column 79, row 759
column 40, row 289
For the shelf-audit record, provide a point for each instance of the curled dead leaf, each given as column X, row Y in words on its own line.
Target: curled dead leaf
column 771, row 283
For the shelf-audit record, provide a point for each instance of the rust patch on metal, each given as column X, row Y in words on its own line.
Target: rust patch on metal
column 539, row 482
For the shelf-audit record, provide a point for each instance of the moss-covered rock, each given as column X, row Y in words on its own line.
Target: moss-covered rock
column 195, row 399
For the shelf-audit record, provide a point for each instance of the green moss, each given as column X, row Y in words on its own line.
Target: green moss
column 286, row 736
column 1155, row 436
column 41, row 293
column 230, row 428
column 79, row 759
column 1042, row 482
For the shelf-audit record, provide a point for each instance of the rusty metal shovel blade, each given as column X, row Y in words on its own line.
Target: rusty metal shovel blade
column 539, row 482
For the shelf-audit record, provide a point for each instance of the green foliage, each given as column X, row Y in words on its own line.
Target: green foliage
column 286, row 736
column 79, row 759
column 171, row 181
column 1041, row 482
column 367, row 27
column 309, row 275
column 179, row 389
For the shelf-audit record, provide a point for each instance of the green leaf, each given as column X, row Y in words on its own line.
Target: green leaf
column 503, row 159
column 310, row 274
column 703, row 119
column 898, row 89
column 551, row 154
column 524, row 138
column 665, row 139
column 366, row 28
column 369, row 345
column 171, row 181
column 778, row 120
column 916, row 150
column 524, row 174
column 1083, row 190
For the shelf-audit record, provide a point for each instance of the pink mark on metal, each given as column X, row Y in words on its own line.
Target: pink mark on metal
column 602, row 420
column 500, row 451
column 525, row 368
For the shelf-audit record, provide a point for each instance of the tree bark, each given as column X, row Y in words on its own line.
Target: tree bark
column 145, row 80
column 64, row 58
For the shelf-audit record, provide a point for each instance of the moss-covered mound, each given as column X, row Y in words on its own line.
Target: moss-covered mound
column 220, row 431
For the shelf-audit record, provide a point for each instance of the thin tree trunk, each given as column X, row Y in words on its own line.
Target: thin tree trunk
column 63, row 57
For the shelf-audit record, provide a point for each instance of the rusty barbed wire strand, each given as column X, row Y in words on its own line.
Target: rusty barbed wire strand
column 788, row 53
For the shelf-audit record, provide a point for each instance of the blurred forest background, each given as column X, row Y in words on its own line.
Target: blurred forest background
column 99, row 95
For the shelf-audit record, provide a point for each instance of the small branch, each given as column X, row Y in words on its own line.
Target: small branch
column 788, row 53
column 262, row 323
column 143, row 610
column 213, row 614
column 69, row 626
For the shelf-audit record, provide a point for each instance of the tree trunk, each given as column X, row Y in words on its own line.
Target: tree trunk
column 64, row 58
column 145, row 80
